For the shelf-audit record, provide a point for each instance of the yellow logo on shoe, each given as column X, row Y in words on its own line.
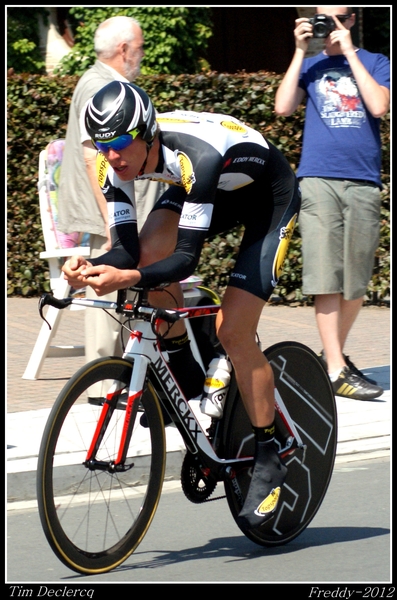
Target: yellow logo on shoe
column 269, row 504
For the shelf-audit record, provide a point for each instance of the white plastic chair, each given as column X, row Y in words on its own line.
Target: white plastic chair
column 49, row 165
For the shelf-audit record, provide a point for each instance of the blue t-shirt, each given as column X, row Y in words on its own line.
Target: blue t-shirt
column 341, row 138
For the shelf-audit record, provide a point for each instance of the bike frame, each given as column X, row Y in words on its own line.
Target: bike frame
column 144, row 352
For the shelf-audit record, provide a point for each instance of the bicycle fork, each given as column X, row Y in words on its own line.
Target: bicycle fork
column 135, row 392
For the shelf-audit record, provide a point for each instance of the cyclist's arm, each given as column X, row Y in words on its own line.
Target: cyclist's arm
column 195, row 219
column 124, row 253
column 181, row 264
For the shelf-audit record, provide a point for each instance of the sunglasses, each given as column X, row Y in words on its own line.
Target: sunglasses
column 343, row 18
column 118, row 143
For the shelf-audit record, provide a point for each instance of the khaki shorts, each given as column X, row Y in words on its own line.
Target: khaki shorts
column 339, row 223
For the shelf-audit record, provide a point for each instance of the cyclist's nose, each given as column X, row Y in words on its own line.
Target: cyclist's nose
column 112, row 154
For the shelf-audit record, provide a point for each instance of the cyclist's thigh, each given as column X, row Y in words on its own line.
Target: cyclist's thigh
column 269, row 223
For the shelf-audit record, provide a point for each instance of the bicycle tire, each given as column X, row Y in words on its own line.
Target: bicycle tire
column 94, row 520
column 306, row 391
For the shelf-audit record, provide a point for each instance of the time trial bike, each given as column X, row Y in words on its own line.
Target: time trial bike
column 100, row 472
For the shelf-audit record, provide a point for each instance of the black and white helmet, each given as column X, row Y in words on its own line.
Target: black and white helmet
column 117, row 109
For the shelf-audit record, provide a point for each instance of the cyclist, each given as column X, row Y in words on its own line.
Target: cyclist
column 221, row 173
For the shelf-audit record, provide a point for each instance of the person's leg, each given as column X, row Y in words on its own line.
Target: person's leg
column 335, row 317
column 355, row 241
column 237, row 323
column 268, row 231
column 349, row 312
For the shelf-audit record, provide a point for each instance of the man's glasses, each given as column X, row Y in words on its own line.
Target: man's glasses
column 118, row 143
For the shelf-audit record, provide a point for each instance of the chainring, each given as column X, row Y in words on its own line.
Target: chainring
column 196, row 486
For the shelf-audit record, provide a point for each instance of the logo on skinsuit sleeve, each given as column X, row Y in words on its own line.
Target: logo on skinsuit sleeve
column 102, row 166
column 233, row 126
column 269, row 504
column 188, row 177
column 285, row 238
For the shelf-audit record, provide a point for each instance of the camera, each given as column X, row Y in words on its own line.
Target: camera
column 322, row 25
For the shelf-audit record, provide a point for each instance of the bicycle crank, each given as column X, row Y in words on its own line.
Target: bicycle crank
column 196, row 484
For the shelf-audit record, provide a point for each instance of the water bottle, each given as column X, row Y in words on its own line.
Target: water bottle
column 216, row 385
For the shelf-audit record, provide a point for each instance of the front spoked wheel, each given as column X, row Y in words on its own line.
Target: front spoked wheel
column 306, row 391
column 95, row 517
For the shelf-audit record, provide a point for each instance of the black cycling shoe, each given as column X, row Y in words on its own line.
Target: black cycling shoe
column 264, row 491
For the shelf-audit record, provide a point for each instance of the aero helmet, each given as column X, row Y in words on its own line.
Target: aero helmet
column 117, row 109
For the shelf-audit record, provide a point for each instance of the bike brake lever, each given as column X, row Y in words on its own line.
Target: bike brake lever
column 48, row 299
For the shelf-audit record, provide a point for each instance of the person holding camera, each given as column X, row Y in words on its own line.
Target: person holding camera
column 347, row 91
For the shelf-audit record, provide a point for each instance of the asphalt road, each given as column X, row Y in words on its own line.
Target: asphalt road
column 348, row 542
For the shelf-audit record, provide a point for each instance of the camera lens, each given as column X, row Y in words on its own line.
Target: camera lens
column 321, row 29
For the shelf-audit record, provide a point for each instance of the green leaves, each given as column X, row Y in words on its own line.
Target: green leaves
column 175, row 37
column 37, row 112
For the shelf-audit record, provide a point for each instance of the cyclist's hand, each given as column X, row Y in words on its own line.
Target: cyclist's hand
column 72, row 271
column 105, row 279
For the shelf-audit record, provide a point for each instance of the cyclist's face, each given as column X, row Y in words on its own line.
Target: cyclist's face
column 128, row 162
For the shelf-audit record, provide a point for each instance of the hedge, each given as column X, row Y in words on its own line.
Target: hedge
column 38, row 109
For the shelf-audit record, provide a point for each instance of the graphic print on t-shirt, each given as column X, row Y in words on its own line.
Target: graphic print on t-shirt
column 338, row 99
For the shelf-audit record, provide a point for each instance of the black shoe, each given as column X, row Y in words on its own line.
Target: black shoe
column 265, row 488
column 350, row 385
column 351, row 366
column 354, row 370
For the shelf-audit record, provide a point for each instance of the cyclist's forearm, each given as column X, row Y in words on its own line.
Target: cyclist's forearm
column 116, row 257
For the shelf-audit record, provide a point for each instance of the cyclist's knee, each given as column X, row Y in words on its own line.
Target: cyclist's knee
column 229, row 336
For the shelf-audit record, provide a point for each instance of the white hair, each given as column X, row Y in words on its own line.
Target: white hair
column 111, row 32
